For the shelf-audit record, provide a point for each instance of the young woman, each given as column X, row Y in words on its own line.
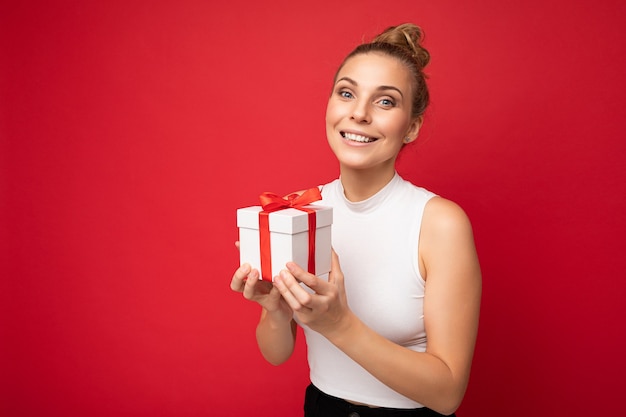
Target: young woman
column 392, row 331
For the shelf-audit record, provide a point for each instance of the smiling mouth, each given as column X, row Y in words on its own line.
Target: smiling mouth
column 357, row 138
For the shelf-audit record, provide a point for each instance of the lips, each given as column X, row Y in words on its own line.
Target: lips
column 357, row 138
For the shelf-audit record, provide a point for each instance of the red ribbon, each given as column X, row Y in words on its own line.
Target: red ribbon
column 272, row 202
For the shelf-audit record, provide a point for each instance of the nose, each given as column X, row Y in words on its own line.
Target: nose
column 361, row 112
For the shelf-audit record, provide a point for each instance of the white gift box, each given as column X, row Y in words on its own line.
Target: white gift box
column 289, row 238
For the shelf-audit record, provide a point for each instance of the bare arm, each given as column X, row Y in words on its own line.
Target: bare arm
column 438, row 377
column 276, row 338
column 276, row 330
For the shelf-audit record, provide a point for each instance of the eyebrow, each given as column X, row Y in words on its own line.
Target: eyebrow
column 380, row 88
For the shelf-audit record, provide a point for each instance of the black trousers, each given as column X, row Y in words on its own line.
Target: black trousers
column 319, row 404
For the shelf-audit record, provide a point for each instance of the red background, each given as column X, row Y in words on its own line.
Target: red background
column 132, row 130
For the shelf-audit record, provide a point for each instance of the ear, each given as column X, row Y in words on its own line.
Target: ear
column 414, row 129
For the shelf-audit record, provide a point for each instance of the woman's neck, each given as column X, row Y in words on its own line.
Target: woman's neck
column 359, row 185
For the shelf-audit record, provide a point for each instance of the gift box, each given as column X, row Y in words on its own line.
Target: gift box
column 269, row 237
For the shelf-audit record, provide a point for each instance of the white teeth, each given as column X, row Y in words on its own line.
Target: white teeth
column 357, row 138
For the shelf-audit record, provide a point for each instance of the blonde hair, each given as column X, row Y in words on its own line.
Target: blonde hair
column 403, row 42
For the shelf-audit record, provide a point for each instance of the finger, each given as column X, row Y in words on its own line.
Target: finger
column 237, row 244
column 237, row 282
column 299, row 273
column 250, row 284
column 313, row 282
column 335, row 268
column 292, row 292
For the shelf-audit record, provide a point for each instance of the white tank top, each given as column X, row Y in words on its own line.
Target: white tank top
column 377, row 243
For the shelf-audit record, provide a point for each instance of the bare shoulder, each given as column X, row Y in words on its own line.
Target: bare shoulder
column 445, row 216
column 446, row 234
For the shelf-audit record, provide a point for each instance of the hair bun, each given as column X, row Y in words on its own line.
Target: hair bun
column 409, row 37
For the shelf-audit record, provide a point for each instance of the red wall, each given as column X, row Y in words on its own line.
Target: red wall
column 131, row 131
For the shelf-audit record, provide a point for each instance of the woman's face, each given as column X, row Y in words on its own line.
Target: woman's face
column 368, row 116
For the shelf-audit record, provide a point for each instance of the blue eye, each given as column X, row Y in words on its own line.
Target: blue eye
column 345, row 94
column 387, row 102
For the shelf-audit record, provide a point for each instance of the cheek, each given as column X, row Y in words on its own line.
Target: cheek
column 398, row 126
column 330, row 113
column 336, row 110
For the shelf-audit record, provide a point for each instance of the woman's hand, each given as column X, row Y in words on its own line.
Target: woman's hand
column 246, row 281
column 326, row 309
column 276, row 331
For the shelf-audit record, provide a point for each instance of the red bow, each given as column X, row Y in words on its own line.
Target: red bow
column 272, row 202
